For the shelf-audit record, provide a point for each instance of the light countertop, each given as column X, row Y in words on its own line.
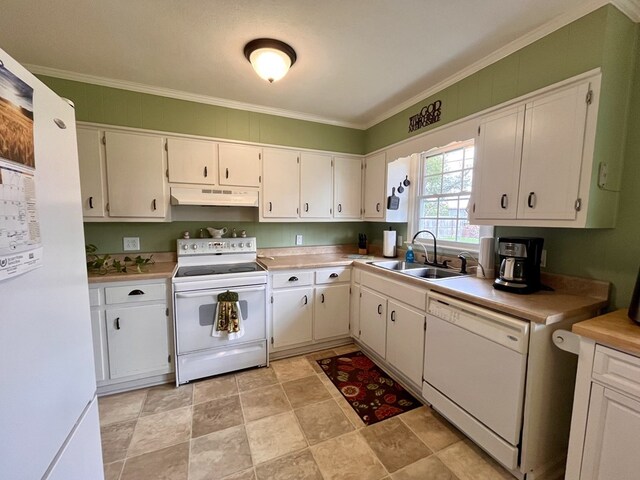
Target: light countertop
column 614, row 329
column 158, row 270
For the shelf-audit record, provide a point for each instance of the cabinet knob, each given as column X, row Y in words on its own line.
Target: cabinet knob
column 504, row 200
column 379, row 309
column 531, row 199
column 293, row 279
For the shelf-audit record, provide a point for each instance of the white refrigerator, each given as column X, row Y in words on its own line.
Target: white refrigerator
column 49, row 424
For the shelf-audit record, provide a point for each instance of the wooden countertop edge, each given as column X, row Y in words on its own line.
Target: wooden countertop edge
column 157, row 271
column 614, row 329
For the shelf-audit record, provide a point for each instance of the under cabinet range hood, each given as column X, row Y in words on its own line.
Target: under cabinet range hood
column 216, row 196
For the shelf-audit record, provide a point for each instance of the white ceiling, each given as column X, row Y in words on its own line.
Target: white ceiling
column 357, row 59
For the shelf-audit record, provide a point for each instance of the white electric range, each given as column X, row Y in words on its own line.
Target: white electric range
column 206, row 268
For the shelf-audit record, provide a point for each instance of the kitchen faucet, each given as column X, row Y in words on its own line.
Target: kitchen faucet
column 435, row 250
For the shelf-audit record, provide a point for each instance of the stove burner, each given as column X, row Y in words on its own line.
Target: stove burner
column 250, row 268
column 194, row 272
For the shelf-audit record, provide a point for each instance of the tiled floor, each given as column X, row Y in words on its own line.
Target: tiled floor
column 283, row 422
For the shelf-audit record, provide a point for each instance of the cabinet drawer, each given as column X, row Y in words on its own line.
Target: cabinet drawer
column 95, row 299
column 617, row 369
column 333, row 275
column 136, row 293
column 291, row 279
column 416, row 297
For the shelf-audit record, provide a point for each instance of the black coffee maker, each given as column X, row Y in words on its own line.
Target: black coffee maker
column 519, row 264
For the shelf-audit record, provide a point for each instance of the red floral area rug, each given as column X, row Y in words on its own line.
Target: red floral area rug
column 372, row 393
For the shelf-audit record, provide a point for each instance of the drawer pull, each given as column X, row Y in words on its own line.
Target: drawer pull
column 339, row 208
column 270, row 206
column 377, row 207
column 322, row 297
column 393, row 316
column 531, row 199
column 306, row 300
column 136, row 292
column 504, row 200
column 155, row 205
column 206, row 172
column 306, row 207
column 333, row 275
column 90, row 202
column 226, row 173
column 379, row 309
column 293, row 279
column 117, row 323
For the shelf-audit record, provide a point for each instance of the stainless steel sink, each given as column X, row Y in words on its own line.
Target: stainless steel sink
column 418, row 270
column 397, row 265
column 431, row 273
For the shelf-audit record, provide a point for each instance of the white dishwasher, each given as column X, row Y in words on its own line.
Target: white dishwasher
column 475, row 367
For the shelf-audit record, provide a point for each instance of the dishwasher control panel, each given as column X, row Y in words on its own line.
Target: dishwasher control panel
column 443, row 311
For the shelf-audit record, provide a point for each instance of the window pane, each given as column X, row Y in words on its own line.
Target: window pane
column 433, row 165
column 452, row 182
column 453, row 160
column 447, row 230
column 467, row 180
column 464, row 202
column 448, row 207
column 432, row 185
column 469, row 155
column 428, row 207
column 468, row 233
column 427, row 224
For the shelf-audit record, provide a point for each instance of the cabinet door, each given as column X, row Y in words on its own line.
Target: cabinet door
column 373, row 321
column 192, row 161
column 374, row 186
column 611, row 441
column 316, row 185
column 92, row 172
column 354, row 313
column 347, row 193
column 239, row 165
column 292, row 316
column 405, row 340
column 331, row 312
column 99, row 336
column 497, row 170
column 552, row 154
column 138, row 340
column 281, row 185
column 135, row 175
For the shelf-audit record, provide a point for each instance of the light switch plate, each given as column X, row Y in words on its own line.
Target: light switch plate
column 298, row 239
column 130, row 244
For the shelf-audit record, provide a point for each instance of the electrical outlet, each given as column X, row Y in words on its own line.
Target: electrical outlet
column 298, row 239
column 131, row 243
column 543, row 258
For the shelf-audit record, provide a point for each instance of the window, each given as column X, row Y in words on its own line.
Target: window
column 445, row 189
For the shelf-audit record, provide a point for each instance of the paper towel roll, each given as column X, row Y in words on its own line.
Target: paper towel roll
column 389, row 243
column 486, row 257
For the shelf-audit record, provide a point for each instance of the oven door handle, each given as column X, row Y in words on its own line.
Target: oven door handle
column 209, row 293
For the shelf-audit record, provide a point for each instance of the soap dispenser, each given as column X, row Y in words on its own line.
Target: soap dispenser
column 409, row 256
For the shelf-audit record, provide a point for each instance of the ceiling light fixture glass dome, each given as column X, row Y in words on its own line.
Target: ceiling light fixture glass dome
column 270, row 58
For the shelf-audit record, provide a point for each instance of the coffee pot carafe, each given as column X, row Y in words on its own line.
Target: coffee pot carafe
column 519, row 264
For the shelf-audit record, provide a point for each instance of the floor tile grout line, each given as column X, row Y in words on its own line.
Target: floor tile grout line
column 433, row 450
column 359, row 432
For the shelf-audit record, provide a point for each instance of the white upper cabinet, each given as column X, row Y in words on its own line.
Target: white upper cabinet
column 239, row 165
column 281, row 185
column 552, row 154
column 135, row 175
column 535, row 159
column 192, row 161
column 316, row 185
column 92, row 172
column 347, row 193
column 495, row 187
column 374, row 186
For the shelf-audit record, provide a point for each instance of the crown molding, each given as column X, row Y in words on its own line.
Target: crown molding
column 631, row 8
column 181, row 95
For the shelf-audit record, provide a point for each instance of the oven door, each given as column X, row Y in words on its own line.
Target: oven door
column 195, row 312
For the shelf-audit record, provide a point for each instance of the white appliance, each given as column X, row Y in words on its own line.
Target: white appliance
column 48, row 407
column 502, row 382
column 207, row 268
column 214, row 196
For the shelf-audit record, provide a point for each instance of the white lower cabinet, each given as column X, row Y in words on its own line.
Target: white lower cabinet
column 292, row 317
column 373, row 320
column 354, row 311
column 132, row 334
column 309, row 306
column 405, row 339
column 331, row 311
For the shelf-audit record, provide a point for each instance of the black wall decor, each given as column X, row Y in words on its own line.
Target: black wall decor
column 428, row 115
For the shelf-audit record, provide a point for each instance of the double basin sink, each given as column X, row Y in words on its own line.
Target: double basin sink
column 417, row 270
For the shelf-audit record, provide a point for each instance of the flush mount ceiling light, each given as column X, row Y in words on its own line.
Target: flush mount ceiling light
column 271, row 59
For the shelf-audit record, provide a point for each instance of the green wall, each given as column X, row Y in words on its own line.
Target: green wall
column 113, row 106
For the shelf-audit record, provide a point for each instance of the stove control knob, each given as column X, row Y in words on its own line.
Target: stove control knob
column 194, row 246
column 241, row 244
column 248, row 244
column 210, row 244
column 185, row 247
column 233, row 245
